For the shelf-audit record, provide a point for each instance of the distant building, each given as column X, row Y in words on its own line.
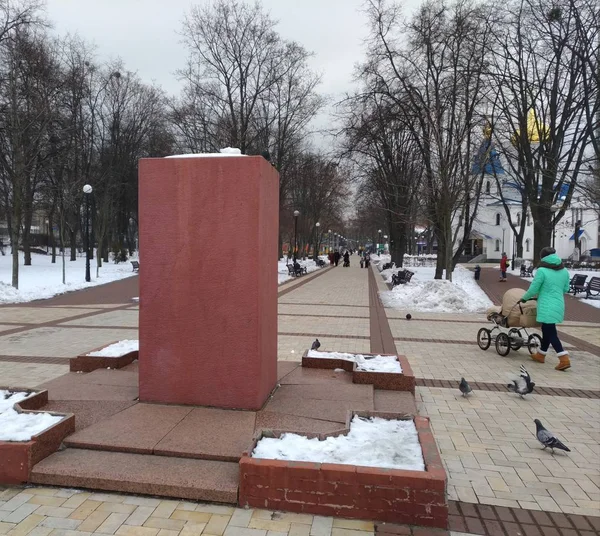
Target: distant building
column 492, row 233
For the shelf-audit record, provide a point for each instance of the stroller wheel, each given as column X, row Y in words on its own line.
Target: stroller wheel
column 516, row 338
column 533, row 343
column 503, row 344
column 484, row 338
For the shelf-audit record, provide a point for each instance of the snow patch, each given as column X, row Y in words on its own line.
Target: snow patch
column 117, row 349
column 426, row 294
column 43, row 279
column 378, row 363
column 21, row 426
column 372, row 442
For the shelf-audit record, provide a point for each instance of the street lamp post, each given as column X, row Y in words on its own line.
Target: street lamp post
column 296, row 214
column 385, row 237
column 378, row 241
column 87, row 191
column 316, row 254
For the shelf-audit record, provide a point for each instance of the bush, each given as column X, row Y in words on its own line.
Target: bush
column 119, row 253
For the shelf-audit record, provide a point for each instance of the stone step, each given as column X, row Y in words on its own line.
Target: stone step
column 183, row 478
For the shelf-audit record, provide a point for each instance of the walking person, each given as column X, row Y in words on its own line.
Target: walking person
column 346, row 259
column 336, row 257
column 550, row 284
column 503, row 267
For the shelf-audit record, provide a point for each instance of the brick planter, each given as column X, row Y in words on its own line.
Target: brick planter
column 404, row 381
column 18, row 457
column 391, row 495
column 88, row 363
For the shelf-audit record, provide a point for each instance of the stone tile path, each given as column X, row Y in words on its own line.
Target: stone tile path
column 486, row 441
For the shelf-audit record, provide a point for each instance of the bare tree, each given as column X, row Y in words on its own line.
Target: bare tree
column 545, row 69
column 235, row 58
column 387, row 162
column 437, row 80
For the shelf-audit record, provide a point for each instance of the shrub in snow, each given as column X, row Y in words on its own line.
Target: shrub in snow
column 372, row 442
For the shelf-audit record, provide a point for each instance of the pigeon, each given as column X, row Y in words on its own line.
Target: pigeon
column 315, row 345
column 522, row 385
column 547, row 438
column 464, row 387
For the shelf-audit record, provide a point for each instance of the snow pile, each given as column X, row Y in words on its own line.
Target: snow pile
column 373, row 442
column 117, row 349
column 378, row 363
column 21, row 426
column 43, row 279
column 425, row 294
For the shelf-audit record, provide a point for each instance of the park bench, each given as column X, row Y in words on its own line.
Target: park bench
column 402, row 277
column 577, row 283
column 388, row 266
column 593, row 287
column 526, row 271
column 295, row 270
column 320, row 262
column 135, row 265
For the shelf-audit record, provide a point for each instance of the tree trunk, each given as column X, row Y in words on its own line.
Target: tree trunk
column 14, row 243
column 73, row 241
column 449, row 266
column 542, row 235
column 441, row 258
column 397, row 241
column 51, row 241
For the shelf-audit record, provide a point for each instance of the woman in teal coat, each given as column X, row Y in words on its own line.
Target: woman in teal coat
column 550, row 284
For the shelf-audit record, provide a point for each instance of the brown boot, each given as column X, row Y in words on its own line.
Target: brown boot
column 539, row 356
column 564, row 362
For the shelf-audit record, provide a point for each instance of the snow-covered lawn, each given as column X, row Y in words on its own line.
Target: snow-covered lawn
column 117, row 349
column 283, row 273
column 43, row 279
column 21, row 426
column 378, row 363
column 594, row 301
column 426, row 294
column 373, row 442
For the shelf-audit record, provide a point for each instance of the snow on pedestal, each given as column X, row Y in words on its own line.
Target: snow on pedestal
column 372, row 442
column 117, row 349
column 377, row 363
column 16, row 426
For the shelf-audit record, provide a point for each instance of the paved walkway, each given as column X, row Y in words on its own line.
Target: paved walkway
column 498, row 475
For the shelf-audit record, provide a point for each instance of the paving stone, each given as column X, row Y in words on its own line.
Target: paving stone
column 194, row 517
column 20, row 513
column 61, row 523
column 217, row 525
column 321, row 526
column 240, row 518
column 263, row 524
column 140, row 515
column 126, row 530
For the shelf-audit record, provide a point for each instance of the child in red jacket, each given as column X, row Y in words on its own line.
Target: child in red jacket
column 503, row 266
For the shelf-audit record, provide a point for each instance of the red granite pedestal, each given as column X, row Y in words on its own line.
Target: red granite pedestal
column 208, row 285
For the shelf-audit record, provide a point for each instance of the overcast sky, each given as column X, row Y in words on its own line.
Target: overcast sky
column 144, row 34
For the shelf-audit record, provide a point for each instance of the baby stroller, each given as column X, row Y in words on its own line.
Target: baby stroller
column 510, row 322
